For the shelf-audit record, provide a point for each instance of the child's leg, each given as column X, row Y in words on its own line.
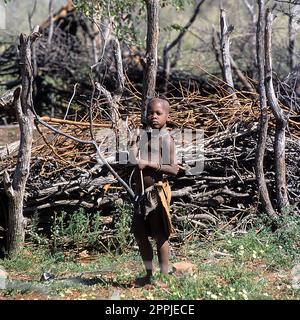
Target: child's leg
column 146, row 252
column 163, row 251
column 140, row 231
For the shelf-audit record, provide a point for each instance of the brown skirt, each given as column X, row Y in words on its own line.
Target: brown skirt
column 151, row 225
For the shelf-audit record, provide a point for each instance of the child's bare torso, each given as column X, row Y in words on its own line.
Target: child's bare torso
column 154, row 147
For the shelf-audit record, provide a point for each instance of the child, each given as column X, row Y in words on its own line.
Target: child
column 154, row 153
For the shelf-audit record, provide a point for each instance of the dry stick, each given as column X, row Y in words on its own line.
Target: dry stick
column 225, row 51
column 91, row 111
column 281, row 120
column 33, row 50
column 74, row 123
column 93, row 38
column 119, row 67
column 241, row 76
column 263, row 130
column 105, row 36
column 69, row 104
column 141, row 174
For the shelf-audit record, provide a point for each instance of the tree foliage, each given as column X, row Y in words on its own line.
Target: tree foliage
column 126, row 16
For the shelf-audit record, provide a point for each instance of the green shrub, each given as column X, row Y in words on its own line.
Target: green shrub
column 123, row 238
column 79, row 229
column 33, row 233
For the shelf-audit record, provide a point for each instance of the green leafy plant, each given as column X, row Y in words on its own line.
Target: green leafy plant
column 123, row 237
column 33, row 232
column 79, row 229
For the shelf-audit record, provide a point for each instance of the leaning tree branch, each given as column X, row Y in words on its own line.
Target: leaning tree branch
column 263, row 125
column 238, row 72
column 241, row 76
column 225, row 52
column 281, row 120
column 119, row 66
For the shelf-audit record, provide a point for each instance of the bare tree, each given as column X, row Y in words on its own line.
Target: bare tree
column 150, row 65
column 235, row 68
column 15, row 188
column 225, row 51
column 280, row 117
column 263, row 124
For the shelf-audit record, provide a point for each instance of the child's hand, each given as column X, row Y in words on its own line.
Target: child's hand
column 142, row 164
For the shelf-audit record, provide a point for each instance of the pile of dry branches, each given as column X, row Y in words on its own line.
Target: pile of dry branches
column 65, row 173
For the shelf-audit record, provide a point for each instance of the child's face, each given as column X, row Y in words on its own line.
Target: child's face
column 157, row 115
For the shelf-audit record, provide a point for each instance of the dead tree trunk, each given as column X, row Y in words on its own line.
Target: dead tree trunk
column 150, row 66
column 225, row 51
column 263, row 128
column 281, row 120
column 235, row 68
column 15, row 188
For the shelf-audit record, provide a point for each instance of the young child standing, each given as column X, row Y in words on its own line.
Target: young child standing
column 154, row 153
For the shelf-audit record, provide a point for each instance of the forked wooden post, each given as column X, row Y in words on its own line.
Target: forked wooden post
column 15, row 187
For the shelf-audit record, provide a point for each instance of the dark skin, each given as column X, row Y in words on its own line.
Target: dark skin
column 158, row 114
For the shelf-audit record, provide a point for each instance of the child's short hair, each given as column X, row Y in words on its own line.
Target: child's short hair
column 164, row 102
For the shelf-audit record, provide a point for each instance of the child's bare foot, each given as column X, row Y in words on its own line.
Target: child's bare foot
column 142, row 281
